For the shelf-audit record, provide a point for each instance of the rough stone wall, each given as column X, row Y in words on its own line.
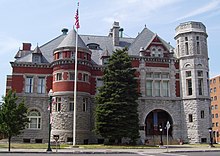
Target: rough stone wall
column 172, row 107
column 39, row 103
column 194, row 131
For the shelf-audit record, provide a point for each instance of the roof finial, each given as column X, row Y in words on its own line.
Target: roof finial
column 145, row 26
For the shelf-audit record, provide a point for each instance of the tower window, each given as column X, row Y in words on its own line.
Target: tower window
column 186, row 38
column 200, row 84
column 58, row 104
column 190, row 118
column 200, row 73
column 85, row 104
column 202, row 114
column 187, row 48
column 197, row 48
column 189, row 86
column 188, row 73
column 59, row 76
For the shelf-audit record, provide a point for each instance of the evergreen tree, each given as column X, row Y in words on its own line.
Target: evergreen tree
column 13, row 116
column 116, row 110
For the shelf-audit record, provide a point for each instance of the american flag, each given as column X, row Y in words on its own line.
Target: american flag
column 77, row 18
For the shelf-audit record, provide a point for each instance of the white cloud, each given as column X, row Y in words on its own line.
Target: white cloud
column 213, row 5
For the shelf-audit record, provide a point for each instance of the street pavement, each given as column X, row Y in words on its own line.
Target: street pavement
column 171, row 149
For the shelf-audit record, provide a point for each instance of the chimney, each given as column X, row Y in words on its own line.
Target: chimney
column 64, row 31
column 121, row 32
column 26, row 46
column 115, row 32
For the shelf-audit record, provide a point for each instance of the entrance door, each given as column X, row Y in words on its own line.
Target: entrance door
column 156, row 120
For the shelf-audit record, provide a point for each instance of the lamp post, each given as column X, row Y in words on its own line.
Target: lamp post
column 50, row 95
column 161, row 139
column 210, row 135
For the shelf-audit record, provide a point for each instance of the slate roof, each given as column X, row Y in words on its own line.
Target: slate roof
column 105, row 44
column 70, row 41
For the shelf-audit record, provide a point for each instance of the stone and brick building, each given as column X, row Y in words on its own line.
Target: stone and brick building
column 173, row 83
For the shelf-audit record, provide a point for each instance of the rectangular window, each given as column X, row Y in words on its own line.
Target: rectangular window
column 165, row 75
column 165, row 86
column 148, row 75
column 216, row 115
column 187, row 48
column 149, row 87
column 197, row 48
column 29, row 84
column 202, row 114
column 99, row 83
column 41, row 85
column 85, row 104
column 85, row 77
column 188, row 74
column 157, row 88
column 200, row 86
column 216, row 106
column 156, row 75
column 60, row 55
column 213, row 116
column 190, row 118
column 58, row 104
column 71, row 104
column 200, row 73
column 72, row 76
column 189, row 86
column 214, row 89
column 59, row 76
column 216, row 124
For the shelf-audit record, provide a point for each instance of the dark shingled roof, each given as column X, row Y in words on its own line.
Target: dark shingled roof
column 104, row 43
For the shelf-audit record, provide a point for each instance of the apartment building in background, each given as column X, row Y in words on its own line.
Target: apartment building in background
column 215, row 106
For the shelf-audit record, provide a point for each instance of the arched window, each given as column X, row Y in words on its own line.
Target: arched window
column 34, row 117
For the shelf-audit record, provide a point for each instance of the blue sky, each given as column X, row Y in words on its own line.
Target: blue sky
column 39, row 21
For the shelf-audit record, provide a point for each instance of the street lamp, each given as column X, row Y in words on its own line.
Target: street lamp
column 50, row 95
column 210, row 135
column 161, row 139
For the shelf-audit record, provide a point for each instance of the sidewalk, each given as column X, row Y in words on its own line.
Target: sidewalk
column 171, row 149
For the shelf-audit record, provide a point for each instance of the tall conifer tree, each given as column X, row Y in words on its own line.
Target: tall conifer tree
column 116, row 111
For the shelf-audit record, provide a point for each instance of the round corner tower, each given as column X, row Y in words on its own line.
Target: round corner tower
column 192, row 52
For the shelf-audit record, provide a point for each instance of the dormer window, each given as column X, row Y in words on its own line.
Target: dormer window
column 93, row 46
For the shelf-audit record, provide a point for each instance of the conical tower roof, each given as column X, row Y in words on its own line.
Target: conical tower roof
column 70, row 41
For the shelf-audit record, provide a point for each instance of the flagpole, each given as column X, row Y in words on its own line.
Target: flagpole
column 75, row 80
column 75, row 90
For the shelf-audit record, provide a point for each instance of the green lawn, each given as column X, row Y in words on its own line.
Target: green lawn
column 30, row 146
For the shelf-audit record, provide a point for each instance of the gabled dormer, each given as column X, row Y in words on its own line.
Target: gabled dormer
column 156, row 47
column 37, row 55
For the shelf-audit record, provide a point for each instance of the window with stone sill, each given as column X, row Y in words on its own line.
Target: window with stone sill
column 58, row 104
column 41, row 85
column 58, row 76
column 34, row 117
column 29, row 82
column 71, row 104
column 85, row 104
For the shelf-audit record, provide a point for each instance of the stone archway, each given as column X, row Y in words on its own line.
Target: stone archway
column 155, row 120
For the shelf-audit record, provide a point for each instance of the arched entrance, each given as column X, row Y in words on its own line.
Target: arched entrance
column 156, row 120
